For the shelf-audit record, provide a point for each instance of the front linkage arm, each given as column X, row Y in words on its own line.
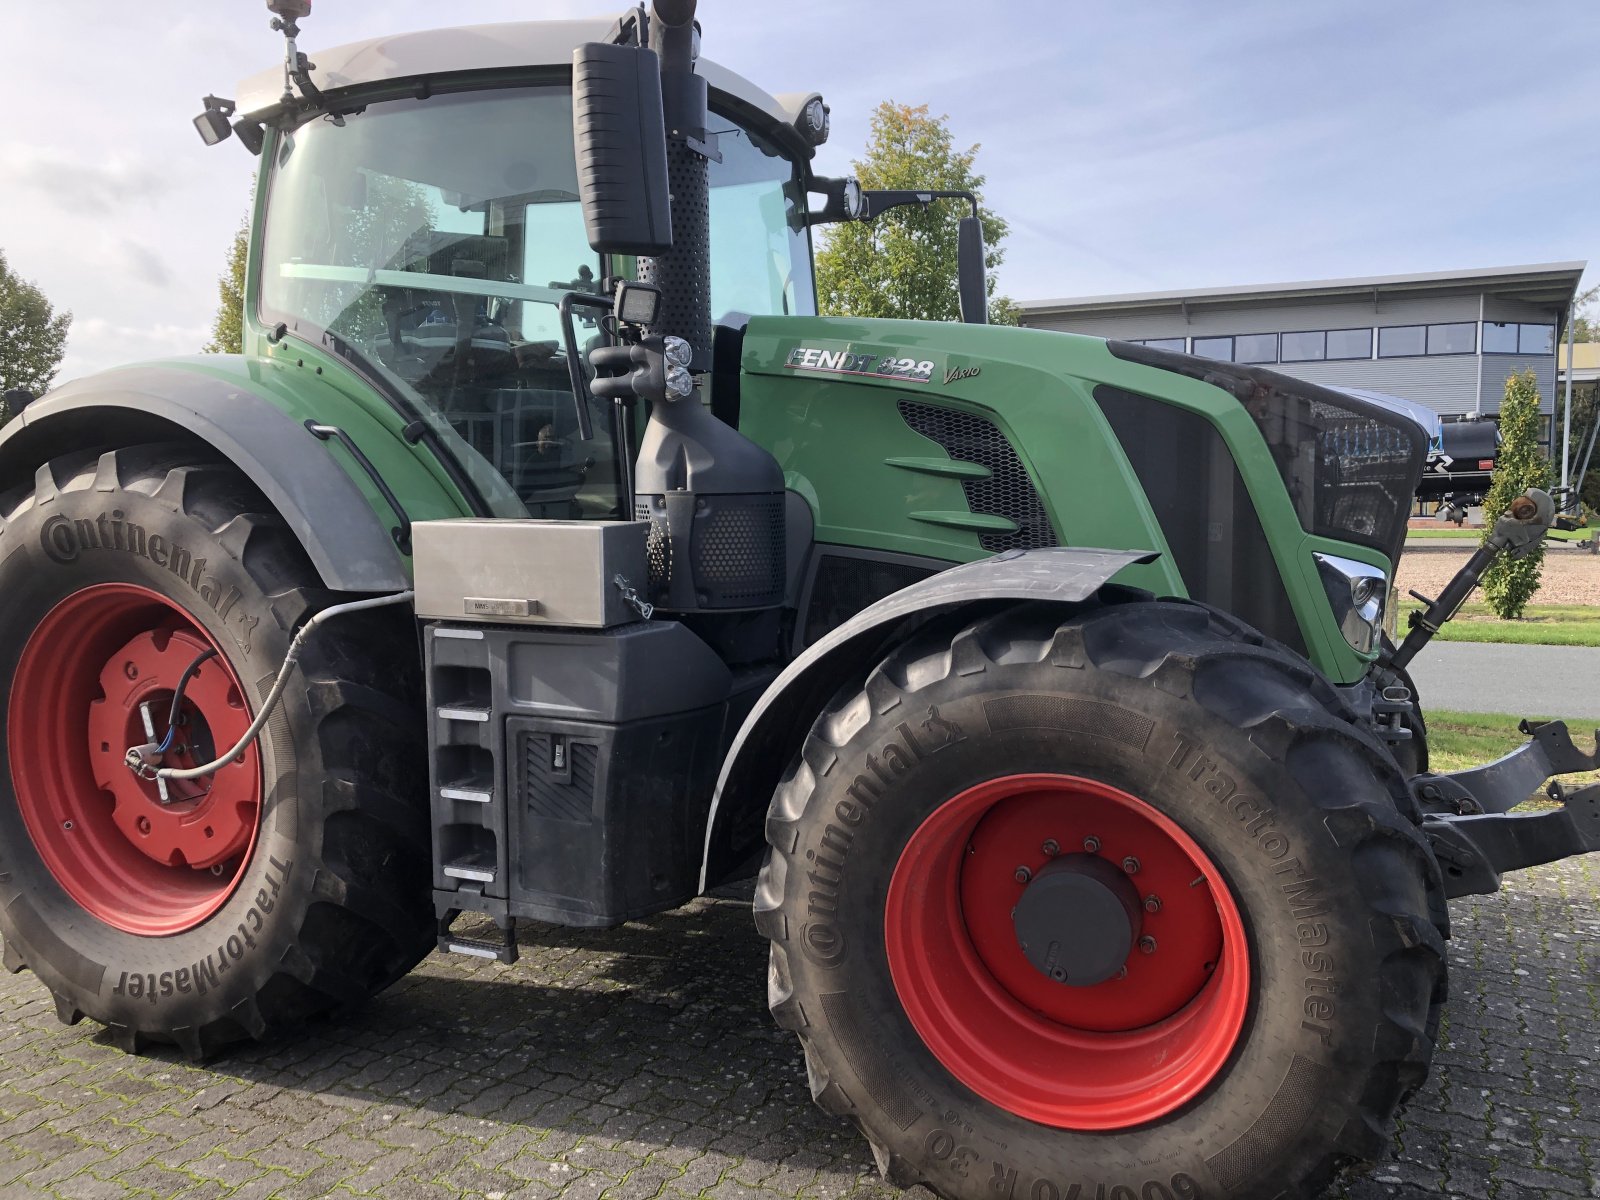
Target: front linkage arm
column 1467, row 813
column 1468, row 820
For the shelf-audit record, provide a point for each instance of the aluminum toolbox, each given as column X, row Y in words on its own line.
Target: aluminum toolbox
column 530, row 572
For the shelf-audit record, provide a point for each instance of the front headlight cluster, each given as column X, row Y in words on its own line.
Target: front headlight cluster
column 1357, row 591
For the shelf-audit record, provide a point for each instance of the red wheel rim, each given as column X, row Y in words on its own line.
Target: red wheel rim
column 96, row 663
column 1108, row 1056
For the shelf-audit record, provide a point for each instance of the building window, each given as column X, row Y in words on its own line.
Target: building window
column 1349, row 343
column 1499, row 337
column 1401, row 341
column 1255, row 348
column 1220, row 348
column 1308, row 346
column 1458, row 338
column 1536, row 339
column 1508, row 337
column 1176, row 345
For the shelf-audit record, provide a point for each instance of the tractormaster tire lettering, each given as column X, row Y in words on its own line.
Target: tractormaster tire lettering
column 331, row 903
column 1255, row 757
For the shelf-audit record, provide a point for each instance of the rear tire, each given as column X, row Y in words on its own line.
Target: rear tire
column 115, row 569
column 1187, row 720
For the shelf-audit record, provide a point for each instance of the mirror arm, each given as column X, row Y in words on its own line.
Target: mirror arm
column 580, row 385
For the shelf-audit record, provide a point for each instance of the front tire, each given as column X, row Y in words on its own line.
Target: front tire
column 1264, row 1034
column 291, row 882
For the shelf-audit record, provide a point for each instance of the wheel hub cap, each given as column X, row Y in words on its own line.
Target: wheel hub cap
column 1077, row 920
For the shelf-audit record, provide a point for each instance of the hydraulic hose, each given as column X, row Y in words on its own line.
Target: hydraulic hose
column 276, row 694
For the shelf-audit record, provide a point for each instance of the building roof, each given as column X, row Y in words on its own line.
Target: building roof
column 1554, row 284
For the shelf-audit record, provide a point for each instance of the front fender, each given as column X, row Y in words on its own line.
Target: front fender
column 773, row 731
column 346, row 535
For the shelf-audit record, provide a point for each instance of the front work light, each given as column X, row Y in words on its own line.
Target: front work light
column 637, row 303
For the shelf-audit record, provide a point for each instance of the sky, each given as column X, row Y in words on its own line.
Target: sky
column 1132, row 147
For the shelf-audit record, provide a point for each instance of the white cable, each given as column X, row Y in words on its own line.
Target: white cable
column 276, row 694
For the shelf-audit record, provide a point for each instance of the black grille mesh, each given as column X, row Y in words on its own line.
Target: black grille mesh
column 737, row 547
column 1008, row 492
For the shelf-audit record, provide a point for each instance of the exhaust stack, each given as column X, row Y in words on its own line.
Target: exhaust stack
column 683, row 273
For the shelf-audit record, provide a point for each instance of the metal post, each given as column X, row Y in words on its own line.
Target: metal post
column 1566, row 421
column 1477, row 400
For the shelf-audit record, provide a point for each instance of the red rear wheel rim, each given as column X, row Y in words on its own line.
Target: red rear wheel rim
column 1116, row 1054
column 95, row 664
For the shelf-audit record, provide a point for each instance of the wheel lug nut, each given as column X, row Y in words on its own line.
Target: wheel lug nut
column 1147, row 944
column 1051, row 847
column 1022, row 875
column 130, row 670
column 1092, row 844
column 144, row 825
column 1130, row 865
column 1152, row 904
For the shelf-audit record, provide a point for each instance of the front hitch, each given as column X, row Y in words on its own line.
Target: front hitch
column 1468, row 820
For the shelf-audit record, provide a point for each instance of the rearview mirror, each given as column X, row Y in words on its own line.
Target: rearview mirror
column 621, row 143
column 971, row 284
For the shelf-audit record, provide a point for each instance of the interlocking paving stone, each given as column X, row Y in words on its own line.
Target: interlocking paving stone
column 639, row 1063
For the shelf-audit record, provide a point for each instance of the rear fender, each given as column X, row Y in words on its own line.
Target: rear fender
column 351, row 545
column 773, row 731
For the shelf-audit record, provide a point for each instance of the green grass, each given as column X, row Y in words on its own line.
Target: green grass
column 1457, row 740
column 1540, row 625
column 1451, row 533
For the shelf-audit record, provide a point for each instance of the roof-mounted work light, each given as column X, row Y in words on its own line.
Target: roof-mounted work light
column 213, row 123
column 813, row 122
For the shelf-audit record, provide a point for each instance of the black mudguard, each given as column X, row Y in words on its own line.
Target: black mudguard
column 776, row 726
column 351, row 548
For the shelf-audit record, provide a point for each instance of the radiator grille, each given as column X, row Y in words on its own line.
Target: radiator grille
column 1008, row 492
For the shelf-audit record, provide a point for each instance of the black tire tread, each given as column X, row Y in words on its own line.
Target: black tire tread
column 1413, row 948
column 351, row 668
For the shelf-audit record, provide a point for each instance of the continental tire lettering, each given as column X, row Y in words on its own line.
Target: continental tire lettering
column 206, row 974
column 821, row 939
column 65, row 540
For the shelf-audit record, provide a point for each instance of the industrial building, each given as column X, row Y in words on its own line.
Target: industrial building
column 1446, row 339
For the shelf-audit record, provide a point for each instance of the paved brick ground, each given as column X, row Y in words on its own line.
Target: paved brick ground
column 640, row 1062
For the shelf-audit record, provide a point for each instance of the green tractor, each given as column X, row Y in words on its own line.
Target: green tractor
column 546, row 558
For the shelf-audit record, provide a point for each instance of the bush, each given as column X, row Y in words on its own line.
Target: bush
column 1510, row 583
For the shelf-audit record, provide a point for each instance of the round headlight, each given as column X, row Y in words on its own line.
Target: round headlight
column 853, row 200
column 677, row 351
column 679, row 382
column 814, row 121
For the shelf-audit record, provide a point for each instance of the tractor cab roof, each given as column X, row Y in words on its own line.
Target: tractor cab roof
column 497, row 47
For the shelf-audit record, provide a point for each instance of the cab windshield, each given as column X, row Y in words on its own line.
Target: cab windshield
column 435, row 238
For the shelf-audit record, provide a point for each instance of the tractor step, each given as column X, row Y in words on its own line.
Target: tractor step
column 504, row 950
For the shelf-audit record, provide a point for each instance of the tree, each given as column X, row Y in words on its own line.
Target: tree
column 227, row 330
column 903, row 264
column 33, row 336
column 1585, row 320
column 1510, row 583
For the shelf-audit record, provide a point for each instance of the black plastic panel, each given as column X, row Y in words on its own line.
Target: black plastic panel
column 1211, row 525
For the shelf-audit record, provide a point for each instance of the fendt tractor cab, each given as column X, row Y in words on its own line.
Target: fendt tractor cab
column 544, row 557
